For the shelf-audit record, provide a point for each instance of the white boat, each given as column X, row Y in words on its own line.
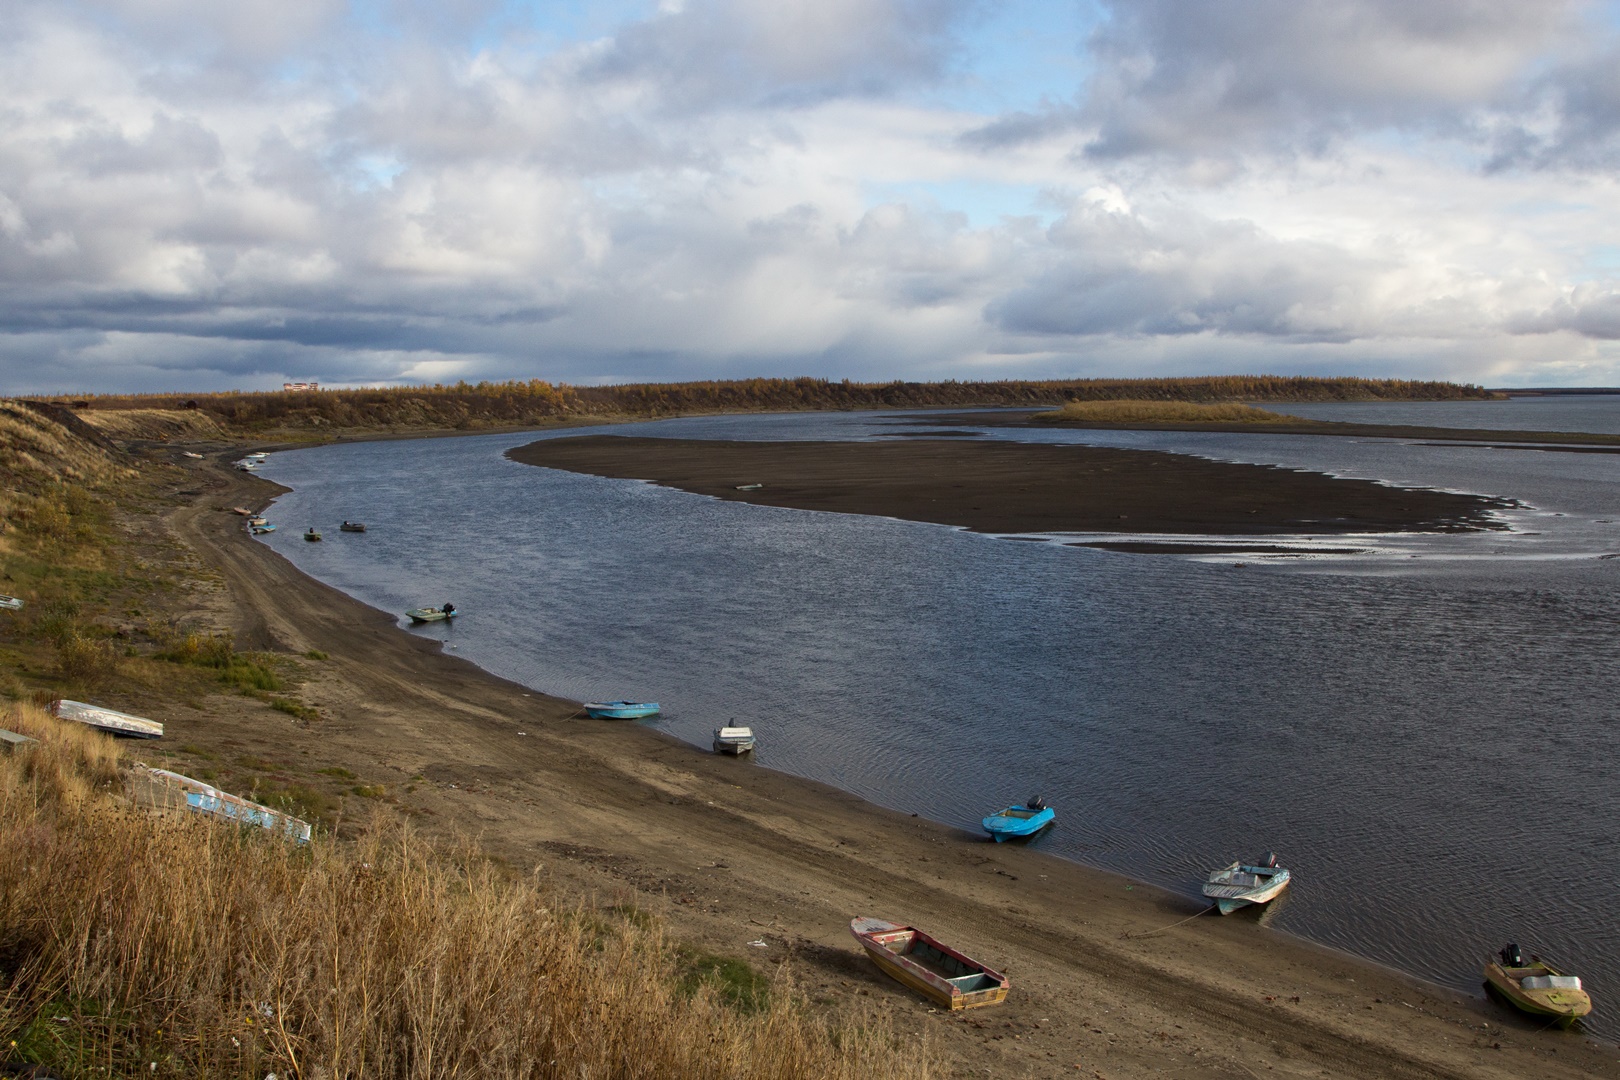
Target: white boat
column 433, row 614
column 1240, row 884
column 257, row 455
column 207, row 799
column 733, row 740
column 258, row 521
column 10, row 603
column 188, row 453
column 109, row 720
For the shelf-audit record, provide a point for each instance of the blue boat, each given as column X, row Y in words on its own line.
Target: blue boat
column 1018, row 821
column 620, row 710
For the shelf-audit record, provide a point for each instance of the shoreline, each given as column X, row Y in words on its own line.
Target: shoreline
column 730, row 853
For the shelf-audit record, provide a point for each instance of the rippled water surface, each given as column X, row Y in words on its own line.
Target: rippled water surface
column 1426, row 732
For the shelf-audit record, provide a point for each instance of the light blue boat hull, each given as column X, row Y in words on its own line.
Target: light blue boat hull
column 1004, row 826
column 620, row 710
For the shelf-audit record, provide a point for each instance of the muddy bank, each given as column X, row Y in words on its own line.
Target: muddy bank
column 1001, row 487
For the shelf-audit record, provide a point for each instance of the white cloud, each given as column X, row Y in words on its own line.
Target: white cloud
column 741, row 187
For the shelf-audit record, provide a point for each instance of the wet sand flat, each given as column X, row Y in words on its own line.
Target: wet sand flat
column 999, row 487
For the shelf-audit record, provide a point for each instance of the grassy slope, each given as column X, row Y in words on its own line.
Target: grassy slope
column 464, row 407
column 130, row 939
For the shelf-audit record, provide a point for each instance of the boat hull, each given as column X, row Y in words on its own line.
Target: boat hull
column 928, row 967
column 1013, row 824
column 621, row 710
column 111, row 721
column 1564, row 1006
column 1229, row 896
column 427, row 615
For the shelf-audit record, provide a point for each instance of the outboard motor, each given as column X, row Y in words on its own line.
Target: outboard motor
column 1270, row 859
column 1036, row 803
column 1511, row 957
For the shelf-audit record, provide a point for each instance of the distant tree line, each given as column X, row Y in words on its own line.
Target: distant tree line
column 466, row 406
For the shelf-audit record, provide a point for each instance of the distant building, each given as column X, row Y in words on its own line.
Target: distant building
column 300, row 386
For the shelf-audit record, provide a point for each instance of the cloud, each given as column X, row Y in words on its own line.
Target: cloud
column 774, row 53
column 406, row 190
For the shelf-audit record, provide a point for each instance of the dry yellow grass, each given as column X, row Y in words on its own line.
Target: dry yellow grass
column 162, row 424
column 179, row 946
column 1166, row 412
column 46, row 474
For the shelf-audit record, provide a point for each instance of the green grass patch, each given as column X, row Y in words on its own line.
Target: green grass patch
column 294, row 708
column 338, row 771
column 315, row 654
column 737, row 983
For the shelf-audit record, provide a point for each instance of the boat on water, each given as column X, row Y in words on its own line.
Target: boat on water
column 260, row 530
column 733, row 740
column 10, row 603
column 1019, row 821
column 257, row 455
column 1537, row 987
column 620, row 710
column 111, row 721
column 311, row 535
column 928, row 966
column 352, row 526
column 1241, row 885
column 433, row 614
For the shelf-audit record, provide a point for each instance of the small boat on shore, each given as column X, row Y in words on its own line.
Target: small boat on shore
column 620, row 710
column 244, row 511
column 1241, row 885
column 433, row 614
column 1537, row 987
column 352, row 526
column 260, row 530
column 928, row 966
column 206, row 799
column 257, row 455
column 10, row 603
column 111, row 721
column 733, row 740
column 1020, row 821
column 311, row 535
column 189, row 454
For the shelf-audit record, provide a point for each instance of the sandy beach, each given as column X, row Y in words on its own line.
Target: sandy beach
column 748, row 862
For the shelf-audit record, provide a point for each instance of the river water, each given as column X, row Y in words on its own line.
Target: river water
column 1424, row 728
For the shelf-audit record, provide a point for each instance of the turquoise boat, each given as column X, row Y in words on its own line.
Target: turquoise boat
column 1019, row 821
column 620, row 710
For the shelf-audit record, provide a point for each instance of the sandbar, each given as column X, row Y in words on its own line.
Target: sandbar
column 1007, row 487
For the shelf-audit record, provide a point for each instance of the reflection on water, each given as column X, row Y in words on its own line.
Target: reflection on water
column 1425, row 733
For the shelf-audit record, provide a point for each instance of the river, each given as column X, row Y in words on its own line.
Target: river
column 1424, row 730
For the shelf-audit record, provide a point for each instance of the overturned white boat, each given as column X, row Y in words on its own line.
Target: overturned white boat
column 207, row 799
column 111, row 721
column 1241, row 884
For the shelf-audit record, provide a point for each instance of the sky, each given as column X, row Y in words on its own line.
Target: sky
column 197, row 195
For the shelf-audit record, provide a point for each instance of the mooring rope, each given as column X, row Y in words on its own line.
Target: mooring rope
column 1149, row 933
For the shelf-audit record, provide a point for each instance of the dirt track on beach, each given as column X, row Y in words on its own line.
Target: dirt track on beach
column 731, row 854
